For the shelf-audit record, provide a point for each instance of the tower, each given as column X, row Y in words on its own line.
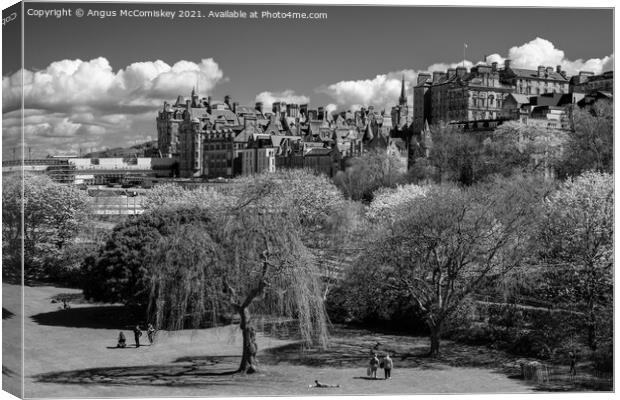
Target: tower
column 402, row 100
column 401, row 117
column 195, row 100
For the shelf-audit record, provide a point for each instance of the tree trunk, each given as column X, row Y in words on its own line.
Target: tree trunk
column 435, row 337
column 249, row 363
column 591, row 328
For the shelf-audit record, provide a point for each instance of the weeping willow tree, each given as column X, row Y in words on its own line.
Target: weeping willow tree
column 248, row 259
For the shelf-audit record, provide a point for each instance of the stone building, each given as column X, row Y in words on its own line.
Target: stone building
column 587, row 82
column 458, row 95
column 549, row 110
column 213, row 139
column 421, row 102
column 534, row 82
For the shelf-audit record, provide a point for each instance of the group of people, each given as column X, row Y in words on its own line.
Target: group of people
column 386, row 363
column 137, row 333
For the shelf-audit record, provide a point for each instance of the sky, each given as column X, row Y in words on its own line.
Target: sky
column 94, row 83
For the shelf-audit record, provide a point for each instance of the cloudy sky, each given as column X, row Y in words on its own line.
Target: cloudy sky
column 92, row 83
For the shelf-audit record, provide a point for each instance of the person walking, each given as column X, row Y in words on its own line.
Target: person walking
column 137, row 333
column 150, row 333
column 572, row 359
column 374, row 365
column 387, row 366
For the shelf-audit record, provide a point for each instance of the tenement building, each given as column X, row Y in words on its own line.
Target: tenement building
column 461, row 96
column 588, row 83
column 223, row 139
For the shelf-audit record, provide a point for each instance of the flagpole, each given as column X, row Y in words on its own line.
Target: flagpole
column 464, row 47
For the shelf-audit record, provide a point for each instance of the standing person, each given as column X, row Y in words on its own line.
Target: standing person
column 137, row 333
column 374, row 364
column 387, row 366
column 572, row 359
column 150, row 332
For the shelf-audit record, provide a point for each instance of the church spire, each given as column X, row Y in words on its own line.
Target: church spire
column 403, row 97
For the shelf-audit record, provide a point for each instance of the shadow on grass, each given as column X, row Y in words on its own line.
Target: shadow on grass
column 200, row 371
column 6, row 314
column 128, row 347
column 106, row 317
column 342, row 354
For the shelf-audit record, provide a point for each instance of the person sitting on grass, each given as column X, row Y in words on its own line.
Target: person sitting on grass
column 322, row 385
column 122, row 342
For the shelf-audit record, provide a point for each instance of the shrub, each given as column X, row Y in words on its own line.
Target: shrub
column 603, row 358
column 116, row 273
column 336, row 305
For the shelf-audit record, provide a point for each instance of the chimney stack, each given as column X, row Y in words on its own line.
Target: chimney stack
column 259, row 107
column 507, row 63
column 292, row 110
column 541, row 70
column 494, row 66
column 423, row 77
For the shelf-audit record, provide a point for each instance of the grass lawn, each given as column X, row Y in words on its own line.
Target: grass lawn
column 72, row 353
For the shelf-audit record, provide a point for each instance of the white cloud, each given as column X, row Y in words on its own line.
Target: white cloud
column 71, row 103
column 542, row 52
column 288, row 96
column 379, row 91
column 69, row 84
column 330, row 108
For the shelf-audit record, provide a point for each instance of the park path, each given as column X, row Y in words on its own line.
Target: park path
column 66, row 361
